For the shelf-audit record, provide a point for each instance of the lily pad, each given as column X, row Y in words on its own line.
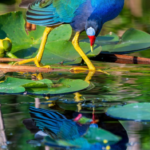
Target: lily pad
column 73, row 144
column 45, row 86
column 16, row 85
column 92, row 137
column 59, row 48
column 131, row 41
column 25, row 45
column 95, row 135
column 11, row 89
column 135, row 111
column 63, row 86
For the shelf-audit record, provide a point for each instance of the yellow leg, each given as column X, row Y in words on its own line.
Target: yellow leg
column 38, row 57
column 78, row 96
column 75, row 43
column 89, row 76
column 91, row 67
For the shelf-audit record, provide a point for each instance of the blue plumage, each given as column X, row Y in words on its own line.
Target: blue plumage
column 75, row 12
column 57, row 125
column 89, row 15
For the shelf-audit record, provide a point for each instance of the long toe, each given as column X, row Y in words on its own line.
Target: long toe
column 78, row 69
column 24, row 61
column 99, row 70
column 35, row 60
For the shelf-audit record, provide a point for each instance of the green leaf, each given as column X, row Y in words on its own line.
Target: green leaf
column 25, row 45
column 61, row 87
column 60, row 143
column 45, row 86
column 135, row 111
column 80, row 142
column 45, row 83
column 95, row 135
column 12, row 26
column 64, row 52
column 59, row 48
column 15, row 81
column 11, row 89
column 132, row 40
column 16, row 85
column 60, row 33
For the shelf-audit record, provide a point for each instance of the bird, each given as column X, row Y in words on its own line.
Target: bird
column 82, row 15
column 57, row 125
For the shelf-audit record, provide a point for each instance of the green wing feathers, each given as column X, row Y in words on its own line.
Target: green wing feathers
column 52, row 12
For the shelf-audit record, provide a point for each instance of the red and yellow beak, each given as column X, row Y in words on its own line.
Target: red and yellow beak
column 92, row 41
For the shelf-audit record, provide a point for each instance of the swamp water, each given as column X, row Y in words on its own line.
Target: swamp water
column 126, row 84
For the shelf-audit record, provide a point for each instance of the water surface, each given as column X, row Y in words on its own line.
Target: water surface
column 125, row 84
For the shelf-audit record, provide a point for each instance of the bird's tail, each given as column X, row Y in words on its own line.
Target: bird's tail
column 48, row 120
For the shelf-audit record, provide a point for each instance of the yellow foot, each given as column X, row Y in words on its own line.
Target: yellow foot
column 99, row 70
column 82, row 69
column 36, row 62
column 78, row 69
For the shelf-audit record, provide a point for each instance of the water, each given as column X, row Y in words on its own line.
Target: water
column 125, row 84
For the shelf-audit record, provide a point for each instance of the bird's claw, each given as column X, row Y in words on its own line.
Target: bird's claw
column 16, row 63
column 78, row 69
column 36, row 62
column 82, row 69
column 47, row 66
column 99, row 70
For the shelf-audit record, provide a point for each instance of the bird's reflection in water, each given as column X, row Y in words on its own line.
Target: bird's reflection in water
column 63, row 127
column 77, row 98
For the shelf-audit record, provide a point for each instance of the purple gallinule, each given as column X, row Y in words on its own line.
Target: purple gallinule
column 88, row 15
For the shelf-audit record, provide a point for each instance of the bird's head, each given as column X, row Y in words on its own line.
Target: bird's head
column 93, row 28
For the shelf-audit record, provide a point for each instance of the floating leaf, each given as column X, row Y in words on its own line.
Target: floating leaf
column 131, row 41
column 45, row 83
column 11, row 89
column 16, row 85
column 63, row 86
column 45, row 86
column 12, row 26
column 95, row 135
column 25, row 45
column 75, row 144
column 135, row 111
column 59, row 48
